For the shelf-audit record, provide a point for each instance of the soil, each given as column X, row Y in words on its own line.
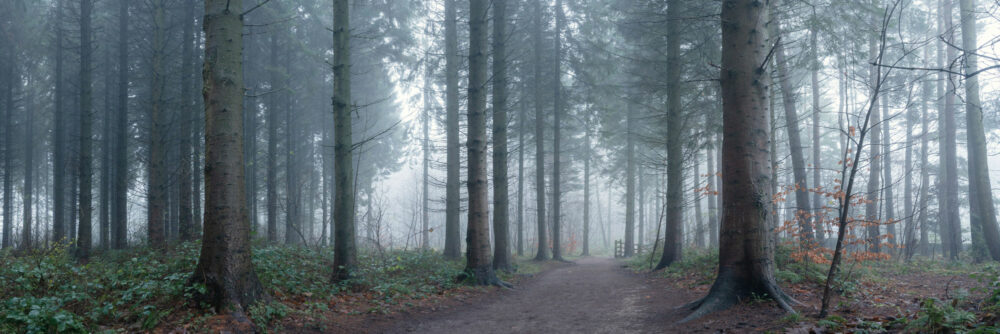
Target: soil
column 593, row 295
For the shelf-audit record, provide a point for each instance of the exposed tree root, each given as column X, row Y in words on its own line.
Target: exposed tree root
column 724, row 295
column 483, row 276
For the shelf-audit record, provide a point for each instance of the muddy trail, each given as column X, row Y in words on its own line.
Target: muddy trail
column 592, row 295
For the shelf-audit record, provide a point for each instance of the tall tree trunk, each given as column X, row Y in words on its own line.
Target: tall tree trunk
column 59, row 163
column 425, row 239
column 949, row 220
column 478, row 263
column 185, row 221
column 157, row 185
column 814, row 67
column 983, row 216
column 452, row 235
column 872, row 219
column 699, row 229
column 8, row 154
column 642, row 207
column 293, row 231
column 629, row 182
column 501, row 231
column 713, row 218
column 888, row 197
column 909, row 244
column 345, row 249
column 272, row 142
column 586, row 186
column 119, row 204
column 521, row 120
column 29, row 167
column 224, row 266
column 803, row 210
column 746, row 256
column 86, row 173
column 536, row 36
column 556, row 139
column 673, row 241
column 925, row 179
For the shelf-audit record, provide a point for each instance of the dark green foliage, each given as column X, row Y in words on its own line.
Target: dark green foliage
column 140, row 289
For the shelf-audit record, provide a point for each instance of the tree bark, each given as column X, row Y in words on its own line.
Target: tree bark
column 8, row 156
column 85, row 167
column 746, row 256
column 673, row 241
column 949, row 220
column 452, row 235
column 29, row 168
column 924, row 169
column 224, row 266
column 802, row 202
column 478, row 263
column 521, row 120
column 119, row 204
column 888, row 197
column 185, row 220
column 425, row 241
column 586, row 186
column 542, row 253
column 345, row 249
column 157, row 184
column 556, row 139
column 872, row 219
column 59, row 163
column 983, row 218
column 501, row 231
column 630, row 182
column 272, row 142
column 814, row 67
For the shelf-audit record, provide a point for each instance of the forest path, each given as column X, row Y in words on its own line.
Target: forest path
column 594, row 295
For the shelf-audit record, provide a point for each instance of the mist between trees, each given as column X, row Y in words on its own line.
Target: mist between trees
column 497, row 131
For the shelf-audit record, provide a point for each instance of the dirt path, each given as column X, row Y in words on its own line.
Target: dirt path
column 594, row 295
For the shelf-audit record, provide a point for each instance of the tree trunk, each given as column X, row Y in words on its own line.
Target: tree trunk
column 586, row 186
column 746, row 256
column 814, row 67
column 674, row 228
column 949, row 220
column 888, row 198
column 293, row 228
column 501, row 256
column 803, row 210
column 156, row 189
column 59, row 163
column 629, row 182
column 909, row 246
column 556, row 140
column 478, row 263
column 699, row 227
column 543, row 239
column 272, row 142
column 185, row 220
column 872, row 219
column 925, row 179
column 119, row 204
column 345, row 249
column 83, row 241
column 8, row 156
column 521, row 120
column 29, row 168
column 982, row 212
column 713, row 218
column 425, row 241
column 224, row 266
column 452, row 235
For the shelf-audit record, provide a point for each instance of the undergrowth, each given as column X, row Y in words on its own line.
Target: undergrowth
column 139, row 289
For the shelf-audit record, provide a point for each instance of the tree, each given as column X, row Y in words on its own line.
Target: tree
column 630, row 183
column 85, row 166
column 951, row 236
column 501, row 231
column 536, row 35
column 746, row 258
column 119, row 205
column 272, row 142
column 556, row 134
column 478, row 265
column 586, row 185
column 983, row 215
column 802, row 210
column 452, row 244
column 59, row 188
column 224, row 266
column 674, row 231
column 185, row 220
column 345, row 249
column 156, row 197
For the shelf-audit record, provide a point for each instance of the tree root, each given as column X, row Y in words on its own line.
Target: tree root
column 721, row 298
